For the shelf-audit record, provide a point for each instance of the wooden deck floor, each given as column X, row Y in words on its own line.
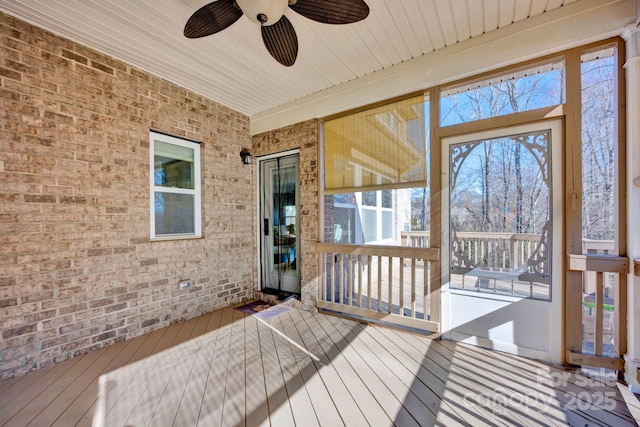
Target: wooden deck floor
column 298, row 368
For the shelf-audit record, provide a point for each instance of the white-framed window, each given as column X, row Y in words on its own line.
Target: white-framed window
column 377, row 215
column 175, row 195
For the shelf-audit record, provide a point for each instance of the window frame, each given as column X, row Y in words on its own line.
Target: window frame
column 196, row 192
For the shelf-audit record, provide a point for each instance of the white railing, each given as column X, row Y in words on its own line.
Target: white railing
column 383, row 283
column 501, row 250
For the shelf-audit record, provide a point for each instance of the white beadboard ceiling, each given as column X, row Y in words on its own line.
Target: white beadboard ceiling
column 234, row 68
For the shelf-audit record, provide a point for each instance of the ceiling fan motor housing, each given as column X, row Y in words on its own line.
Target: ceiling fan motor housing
column 263, row 12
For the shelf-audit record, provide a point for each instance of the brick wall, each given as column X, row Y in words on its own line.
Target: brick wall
column 303, row 136
column 77, row 269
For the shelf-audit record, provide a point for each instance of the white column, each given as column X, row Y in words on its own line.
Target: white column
column 631, row 36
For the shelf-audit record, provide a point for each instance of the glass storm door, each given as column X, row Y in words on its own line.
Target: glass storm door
column 502, row 223
column 279, row 220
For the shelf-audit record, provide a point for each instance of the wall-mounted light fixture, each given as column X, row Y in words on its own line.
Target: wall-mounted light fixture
column 245, row 155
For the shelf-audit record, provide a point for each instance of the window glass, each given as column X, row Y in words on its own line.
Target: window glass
column 175, row 187
column 386, row 220
column 599, row 152
column 174, row 213
column 387, row 199
column 370, row 225
column 345, row 224
column 369, row 198
column 173, row 166
column 387, row 225
column 522, row 90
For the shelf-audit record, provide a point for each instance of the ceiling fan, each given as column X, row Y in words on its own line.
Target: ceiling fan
column 278, row 34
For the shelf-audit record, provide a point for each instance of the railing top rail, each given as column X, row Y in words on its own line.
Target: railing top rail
column 415, row 233
column 431, row 254
column 479, row 235
column 597, row 262
column 611, row 242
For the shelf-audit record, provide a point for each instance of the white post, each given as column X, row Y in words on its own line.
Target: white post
column 631, row 36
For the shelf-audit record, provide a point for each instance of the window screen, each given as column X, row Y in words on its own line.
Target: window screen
column 381, row 147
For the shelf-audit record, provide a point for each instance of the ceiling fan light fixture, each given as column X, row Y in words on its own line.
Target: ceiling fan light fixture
column 263, row 12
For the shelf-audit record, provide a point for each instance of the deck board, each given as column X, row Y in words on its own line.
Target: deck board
column 432, row 373
column 349, row 411
column 355, row 383
column 301, row 404
column 191, row 399
column 388, row 401
column 63, row 385
column 300, row 368
column 212, row 400
column 19, row 392
column 585, row 405
column 323, row 405
column 85, row 400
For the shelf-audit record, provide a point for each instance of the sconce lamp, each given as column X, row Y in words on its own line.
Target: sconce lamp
column 246, row 157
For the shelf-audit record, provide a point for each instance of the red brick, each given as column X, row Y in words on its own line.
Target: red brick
column 77, row 260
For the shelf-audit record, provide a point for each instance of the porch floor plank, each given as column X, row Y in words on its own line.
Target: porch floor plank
column 322, row 403
column 124, row 394
column 85, row 400
column 212, row 399
column 277, row 401
column 19, row 392
column 344, row 402
column 391, row 403
column 299, row 368
column 191, row 399
column 435, row 376
column 255, row 386
column 354, row 382
column 64, row 386
column 424, row 405
column 304, row 412
column 599, row 403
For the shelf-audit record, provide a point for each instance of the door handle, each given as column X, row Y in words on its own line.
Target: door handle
column 266, row 226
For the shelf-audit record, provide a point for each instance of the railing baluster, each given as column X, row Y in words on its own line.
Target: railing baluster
column 401, row 302
column 369, row 258
column 390, row 284
column 350, row 278
column 322, row 291
column 425, row 289
column 359, row 281
column 341, row 278
column 333, row 276
column 379, row 283
column 599, row 315
column 413, row 287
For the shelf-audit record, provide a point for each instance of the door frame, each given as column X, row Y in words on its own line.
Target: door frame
column 258, row 214
column 555, row 334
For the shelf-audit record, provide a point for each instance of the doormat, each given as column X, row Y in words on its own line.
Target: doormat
column 262, row 310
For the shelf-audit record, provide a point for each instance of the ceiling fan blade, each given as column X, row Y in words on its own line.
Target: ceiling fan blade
column 332, row 11
column 281, row 41
column 212, row 18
